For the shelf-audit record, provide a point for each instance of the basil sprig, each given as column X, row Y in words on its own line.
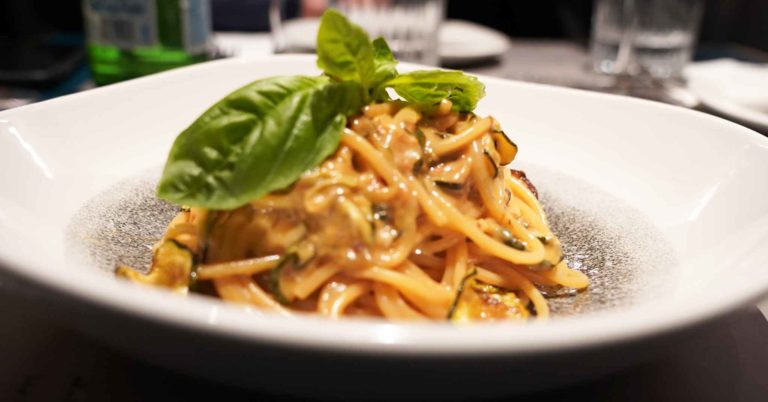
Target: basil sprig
column 265, row 135
column 428, row 87
column 258, row 139
column 344, row 50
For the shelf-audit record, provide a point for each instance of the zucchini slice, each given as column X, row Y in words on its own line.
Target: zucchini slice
column 480, row 301
column 547, row 264
column 380, row 212
column 421, row 138
column 274, row 277
column 553, row 255
column 504, row 146
column 296, row 258
column 493, row 170
column 449, row 186
column 459, row 291
column 418, row 167
column 173, row 266
column 510, row 240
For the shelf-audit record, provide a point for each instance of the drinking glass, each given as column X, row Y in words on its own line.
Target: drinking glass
column 653, row 37
column 409, row 26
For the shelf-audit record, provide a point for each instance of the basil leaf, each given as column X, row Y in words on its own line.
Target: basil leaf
column 385, row 68
column 346, row 97
column 332, row 101
column 258, row 139
column 428, row 87
column 344, row 50
column 264, row 136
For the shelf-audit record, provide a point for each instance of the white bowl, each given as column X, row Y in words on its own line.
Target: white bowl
column 677, row 200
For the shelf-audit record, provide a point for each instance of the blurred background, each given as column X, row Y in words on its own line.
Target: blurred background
column 709, row 55
column 725, row 21
column 633, row 47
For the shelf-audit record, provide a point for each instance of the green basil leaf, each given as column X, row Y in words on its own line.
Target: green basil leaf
column 258, row 139
column 385, row 68
column 331, row 102
column 264, row 136
column 344, row 50
column 346, row 97
column 428, row 87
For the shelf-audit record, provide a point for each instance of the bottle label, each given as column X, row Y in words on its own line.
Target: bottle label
column 123, row 23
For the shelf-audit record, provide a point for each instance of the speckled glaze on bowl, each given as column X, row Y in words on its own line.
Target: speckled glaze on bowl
column 665, row 208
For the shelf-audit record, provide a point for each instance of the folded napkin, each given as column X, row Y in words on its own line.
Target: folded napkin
column 736, row 88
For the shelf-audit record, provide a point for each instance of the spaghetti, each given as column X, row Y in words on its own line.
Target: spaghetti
column 412, row 218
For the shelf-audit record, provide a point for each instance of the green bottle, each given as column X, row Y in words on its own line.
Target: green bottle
column 131, row 38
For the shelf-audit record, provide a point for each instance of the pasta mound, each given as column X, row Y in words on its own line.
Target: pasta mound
column 414, row 217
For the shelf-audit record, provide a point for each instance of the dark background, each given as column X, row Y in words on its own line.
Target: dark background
column 42, row 45
column 742, row 22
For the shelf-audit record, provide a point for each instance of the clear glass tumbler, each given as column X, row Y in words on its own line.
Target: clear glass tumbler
column 653, row 37
column 409, row 26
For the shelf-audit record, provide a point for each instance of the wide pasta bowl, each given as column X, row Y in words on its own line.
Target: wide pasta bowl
column 666, row 209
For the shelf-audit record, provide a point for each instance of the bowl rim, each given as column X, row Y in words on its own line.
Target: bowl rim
column 374, row 337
